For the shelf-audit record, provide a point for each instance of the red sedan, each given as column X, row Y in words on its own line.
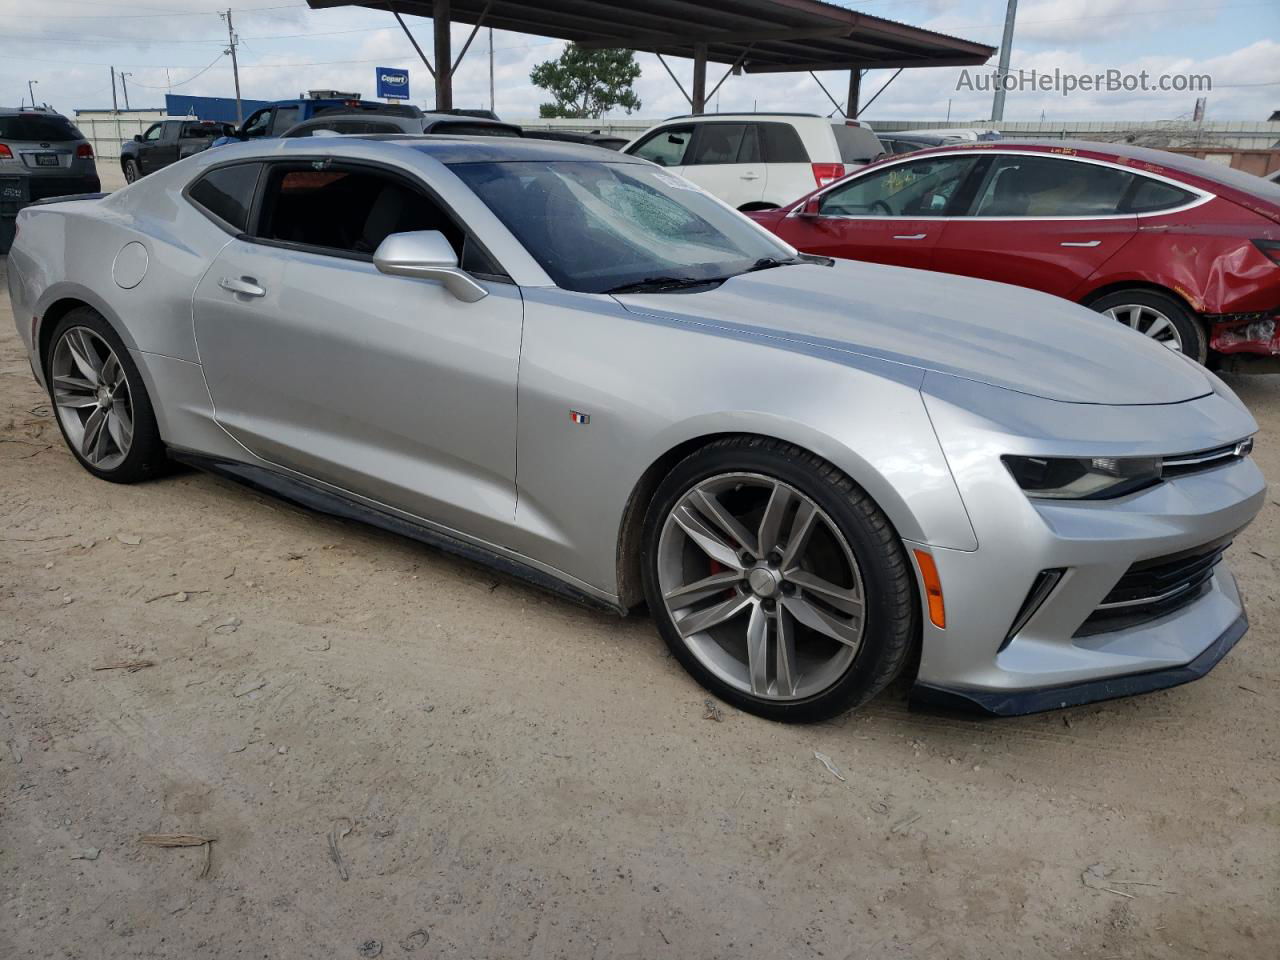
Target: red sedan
column 1185, row 251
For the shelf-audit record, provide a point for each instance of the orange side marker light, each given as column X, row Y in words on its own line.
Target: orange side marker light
column 932, row 588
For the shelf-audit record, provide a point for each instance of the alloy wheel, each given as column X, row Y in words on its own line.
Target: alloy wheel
column 91, row 393
column 761, row 586
column 1148, row 321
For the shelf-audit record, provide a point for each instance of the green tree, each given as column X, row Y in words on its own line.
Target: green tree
column 586, row 83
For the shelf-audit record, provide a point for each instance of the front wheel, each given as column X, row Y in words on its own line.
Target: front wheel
column 776, row 581
column 1158, row 316
column 131, row 171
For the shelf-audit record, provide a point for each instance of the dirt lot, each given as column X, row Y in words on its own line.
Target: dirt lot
column 523, row 778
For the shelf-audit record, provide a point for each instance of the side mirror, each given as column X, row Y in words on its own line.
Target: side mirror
column 426, row 254
column 137, row 138
column 812, row 207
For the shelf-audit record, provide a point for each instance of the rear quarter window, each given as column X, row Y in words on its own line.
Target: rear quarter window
column 856, row 144
column 780, row 143
column 1151, row 196
column 227, row 193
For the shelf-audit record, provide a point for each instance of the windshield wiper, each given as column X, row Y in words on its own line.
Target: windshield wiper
column 766, row 263
column 658, row 284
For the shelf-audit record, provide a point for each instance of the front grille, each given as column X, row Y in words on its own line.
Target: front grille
column 1177, row 466
column 1156, row 588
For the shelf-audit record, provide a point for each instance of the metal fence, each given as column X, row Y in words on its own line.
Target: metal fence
column 107, row 130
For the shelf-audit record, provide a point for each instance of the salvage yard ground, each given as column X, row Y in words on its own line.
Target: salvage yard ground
column 398, row 753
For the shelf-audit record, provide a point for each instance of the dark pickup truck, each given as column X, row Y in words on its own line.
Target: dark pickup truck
column 166, row 142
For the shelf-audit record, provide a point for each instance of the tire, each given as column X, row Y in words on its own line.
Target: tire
column 124, row 445
column 132, row 173
column 1160, row 316
column 850, row 551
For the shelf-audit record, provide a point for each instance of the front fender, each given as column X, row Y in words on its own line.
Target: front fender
column 649, row 387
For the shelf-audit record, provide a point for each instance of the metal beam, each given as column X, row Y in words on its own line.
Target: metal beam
column 882, row 89
column 868, row 64
column 405, row 27
column 737, row 65
column 675, row 79
column 474, row 30
column 855, row 93
column 640, row 41
column 440, row 23
column 833, row 100
column 699, row 98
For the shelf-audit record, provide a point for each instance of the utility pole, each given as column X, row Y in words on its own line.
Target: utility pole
column 232, row 41
column 997, row 103
column 115, row 107
column 30, row 84
column 492, row 108
column 125, row 86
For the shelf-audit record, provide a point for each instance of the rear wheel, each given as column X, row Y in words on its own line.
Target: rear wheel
column 102, row 406
column 776, row 581
column 1158, row 316
column 131, row 171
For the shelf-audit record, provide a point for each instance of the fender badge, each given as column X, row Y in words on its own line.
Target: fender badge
column 577, row 417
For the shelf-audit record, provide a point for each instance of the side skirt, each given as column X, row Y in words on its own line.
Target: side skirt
column 313, row 497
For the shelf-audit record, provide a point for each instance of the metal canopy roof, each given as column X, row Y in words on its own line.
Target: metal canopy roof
column 765, row 35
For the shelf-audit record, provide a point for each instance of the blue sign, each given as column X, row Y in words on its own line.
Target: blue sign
column 393, row 83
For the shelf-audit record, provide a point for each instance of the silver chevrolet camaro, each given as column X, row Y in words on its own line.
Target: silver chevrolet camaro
column 587, row 372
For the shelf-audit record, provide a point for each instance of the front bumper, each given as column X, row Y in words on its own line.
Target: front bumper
column 1074, row 647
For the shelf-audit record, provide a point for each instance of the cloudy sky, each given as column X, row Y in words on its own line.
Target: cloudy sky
column 178, row 45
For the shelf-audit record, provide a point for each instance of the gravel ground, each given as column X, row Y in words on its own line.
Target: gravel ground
column 523, row 778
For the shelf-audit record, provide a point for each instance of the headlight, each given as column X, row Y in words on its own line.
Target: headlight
column 1083, row 478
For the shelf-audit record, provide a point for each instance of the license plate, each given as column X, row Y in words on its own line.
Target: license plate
column 46, row 159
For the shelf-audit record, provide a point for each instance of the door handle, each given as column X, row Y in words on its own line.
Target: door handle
column 1079, row 243
column 750, row 176
column 245, row 285
column 909, row 236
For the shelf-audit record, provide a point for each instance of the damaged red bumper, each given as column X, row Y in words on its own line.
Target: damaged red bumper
column 1249, row 333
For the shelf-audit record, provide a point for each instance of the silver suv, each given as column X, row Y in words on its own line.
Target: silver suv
column 42, row 155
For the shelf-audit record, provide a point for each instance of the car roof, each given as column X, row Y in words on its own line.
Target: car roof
column 451, row 150
column 1146, row 158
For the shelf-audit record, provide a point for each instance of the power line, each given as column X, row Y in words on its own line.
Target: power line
column 182, row 13
column 167, row 86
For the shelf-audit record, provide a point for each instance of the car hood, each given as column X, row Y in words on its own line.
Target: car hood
column 989, row 332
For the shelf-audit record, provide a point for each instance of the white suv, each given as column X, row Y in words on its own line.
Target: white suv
column 756, row 161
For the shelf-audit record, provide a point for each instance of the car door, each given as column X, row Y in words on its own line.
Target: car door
column 725, row 160
column 892, row 214
column 1045, row 222
column 148, row 149
column 666, row 146
column 166, row 151
column 258, row 124
column 384, row 386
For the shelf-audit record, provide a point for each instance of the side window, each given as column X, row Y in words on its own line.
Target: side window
column 351, row 210
column 921, row 188
column 285, row 118
column 153, row 133
column 258, row 124
column 718, row 143
column 780, row 143
column 1149, row 196
column 1026, row 185
column 666, row 147
column 227, row 193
